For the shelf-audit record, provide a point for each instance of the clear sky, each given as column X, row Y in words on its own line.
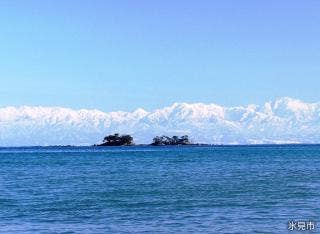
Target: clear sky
column 121, row 55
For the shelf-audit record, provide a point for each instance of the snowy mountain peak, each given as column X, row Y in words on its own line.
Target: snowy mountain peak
column 282, row 120
column 290, row 104
column 293, row 108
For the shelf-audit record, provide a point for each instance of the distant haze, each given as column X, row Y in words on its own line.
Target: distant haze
column 284, row 120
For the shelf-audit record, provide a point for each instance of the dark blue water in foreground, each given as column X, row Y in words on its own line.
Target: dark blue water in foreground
column 158, row 190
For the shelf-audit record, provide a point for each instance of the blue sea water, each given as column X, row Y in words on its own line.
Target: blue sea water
column 240, row 189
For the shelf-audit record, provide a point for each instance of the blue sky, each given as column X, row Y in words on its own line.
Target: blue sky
column 121, row 55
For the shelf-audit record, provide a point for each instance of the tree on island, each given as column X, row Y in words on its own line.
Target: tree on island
column 117, row 140
column 175, row 140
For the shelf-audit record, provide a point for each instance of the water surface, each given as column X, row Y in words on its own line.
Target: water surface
column 158, row 189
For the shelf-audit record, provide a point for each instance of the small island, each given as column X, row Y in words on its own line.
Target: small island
column 127, row 140
column 175, row 140
column 117, row 140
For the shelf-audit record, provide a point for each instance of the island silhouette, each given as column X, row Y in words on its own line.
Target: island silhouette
column 127, row 140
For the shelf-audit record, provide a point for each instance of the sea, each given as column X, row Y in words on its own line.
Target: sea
column 144, row 189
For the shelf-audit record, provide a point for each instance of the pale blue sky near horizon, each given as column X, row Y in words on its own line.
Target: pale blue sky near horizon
column 121, row 55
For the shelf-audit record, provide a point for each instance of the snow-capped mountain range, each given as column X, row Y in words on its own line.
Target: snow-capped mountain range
column 284, row 120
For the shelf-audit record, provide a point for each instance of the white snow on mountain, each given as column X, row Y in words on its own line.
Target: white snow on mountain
column 284, row 120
